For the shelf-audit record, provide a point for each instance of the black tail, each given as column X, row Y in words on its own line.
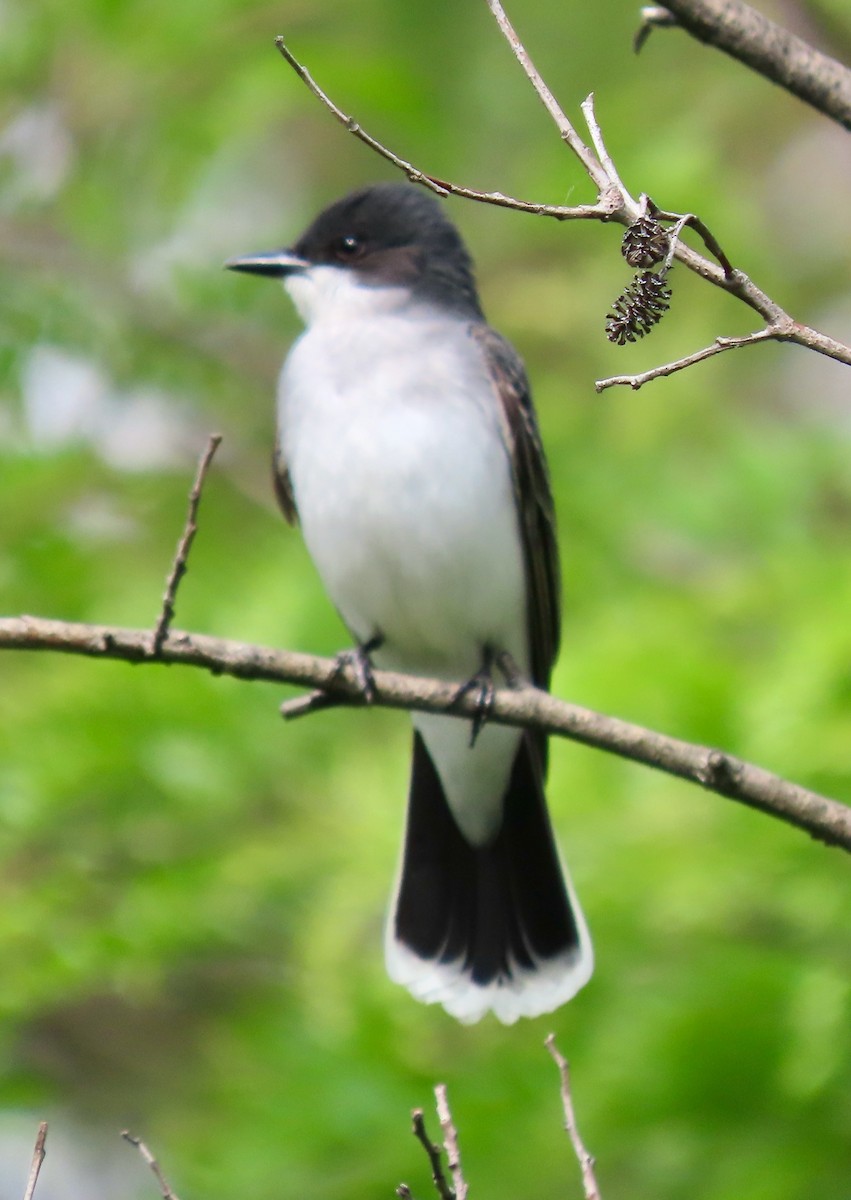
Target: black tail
column 486, row 927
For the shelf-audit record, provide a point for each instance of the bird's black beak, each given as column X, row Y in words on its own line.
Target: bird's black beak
column 275, row 263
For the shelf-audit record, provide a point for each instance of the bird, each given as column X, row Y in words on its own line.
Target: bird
column 408, row 451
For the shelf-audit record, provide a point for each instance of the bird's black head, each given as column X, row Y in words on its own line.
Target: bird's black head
column 389, row 234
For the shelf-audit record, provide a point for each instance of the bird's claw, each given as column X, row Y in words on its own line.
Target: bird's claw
column 482, row 685
column 358, row 662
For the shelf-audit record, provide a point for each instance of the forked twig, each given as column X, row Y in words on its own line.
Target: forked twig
column 681, row 220
column 433, row 1154
column 442, row 187
column 458, row 1189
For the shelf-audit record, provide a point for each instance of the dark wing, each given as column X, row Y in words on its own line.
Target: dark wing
column 282, row 485
column 534, row 500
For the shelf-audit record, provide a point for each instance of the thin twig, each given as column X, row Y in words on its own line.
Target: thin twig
column 450, row 1142
column 433, row 1152
column 606, row 161
column 718, row 347
column 179, row 566
column 37, row 1159
column 165, row 1188
column 443, row 187
column 823, row 818
column 585, row 1160
column 674, row 239
column 594, row 167
column 709, row 239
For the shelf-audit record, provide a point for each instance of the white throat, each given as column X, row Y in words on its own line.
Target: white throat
column 328, row 294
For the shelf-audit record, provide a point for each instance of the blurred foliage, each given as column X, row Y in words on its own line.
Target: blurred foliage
column 191, row 895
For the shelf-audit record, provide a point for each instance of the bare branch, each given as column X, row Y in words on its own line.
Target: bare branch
column 825, row 819
column 443, row 187
column 751, row 38
column 450, row 1142
column 784, row 328
column 37, row 1159
column 165, row 1188
column 718, row 347
column 614, row 204
column 585, row 1160
column 181, row 558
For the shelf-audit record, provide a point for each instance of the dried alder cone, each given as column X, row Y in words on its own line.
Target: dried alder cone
column 645, row 243
column 641, row 306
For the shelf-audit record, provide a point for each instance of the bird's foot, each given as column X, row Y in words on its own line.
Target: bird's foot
column 358, row 662
column 482, row 686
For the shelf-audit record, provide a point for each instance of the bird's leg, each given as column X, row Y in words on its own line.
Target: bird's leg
column 515, row 677
column 482, row 685
column 358, row 661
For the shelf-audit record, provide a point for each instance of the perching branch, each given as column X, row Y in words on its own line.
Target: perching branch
column 825, row 819
column 614, row 203
column 745, row 34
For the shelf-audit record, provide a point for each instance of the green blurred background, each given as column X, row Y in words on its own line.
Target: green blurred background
column 192, row 894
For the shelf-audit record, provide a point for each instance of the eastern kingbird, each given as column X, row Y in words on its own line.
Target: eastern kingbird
column 408, row 450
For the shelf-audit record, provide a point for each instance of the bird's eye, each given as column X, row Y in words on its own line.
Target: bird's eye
column 348, row 247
